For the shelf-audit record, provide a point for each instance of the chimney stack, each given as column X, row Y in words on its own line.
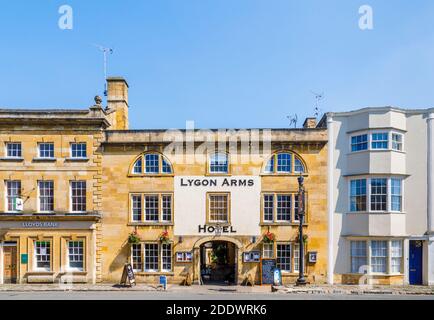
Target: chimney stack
column 117, row 103
column 309, row 123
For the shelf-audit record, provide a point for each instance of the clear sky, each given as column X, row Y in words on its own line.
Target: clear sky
column 221, row 63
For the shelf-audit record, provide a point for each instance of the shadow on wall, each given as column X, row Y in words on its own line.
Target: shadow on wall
column 120, row 259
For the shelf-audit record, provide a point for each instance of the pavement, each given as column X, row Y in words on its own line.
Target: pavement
column 180, row 291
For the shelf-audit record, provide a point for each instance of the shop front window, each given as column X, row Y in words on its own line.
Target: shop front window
column 75, row 255
column 42, row 255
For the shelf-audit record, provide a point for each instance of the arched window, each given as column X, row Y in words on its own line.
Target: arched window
column 298, row 166
column 152, row 163
column 219, row 163
column 284, row 163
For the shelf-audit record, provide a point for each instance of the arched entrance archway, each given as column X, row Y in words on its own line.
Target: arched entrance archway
column 217, row 260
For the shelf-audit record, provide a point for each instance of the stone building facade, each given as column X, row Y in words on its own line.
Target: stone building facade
column 83, row 195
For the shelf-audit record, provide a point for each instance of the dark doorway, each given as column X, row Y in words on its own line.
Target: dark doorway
column 415, row 262
column 10, row 264
column 217, row 262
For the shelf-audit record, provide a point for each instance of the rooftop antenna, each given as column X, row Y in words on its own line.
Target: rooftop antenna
column 318, row 98
column 105, row 51
column 293, row 120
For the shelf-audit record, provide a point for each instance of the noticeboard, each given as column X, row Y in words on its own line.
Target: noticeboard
column 267, row 271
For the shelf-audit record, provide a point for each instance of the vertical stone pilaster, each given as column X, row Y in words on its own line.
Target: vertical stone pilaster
column 330, row 195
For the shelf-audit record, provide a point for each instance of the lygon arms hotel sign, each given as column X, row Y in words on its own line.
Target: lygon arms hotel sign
column 191, row 211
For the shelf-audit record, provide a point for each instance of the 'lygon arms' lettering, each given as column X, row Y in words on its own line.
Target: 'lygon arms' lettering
column 214, row 182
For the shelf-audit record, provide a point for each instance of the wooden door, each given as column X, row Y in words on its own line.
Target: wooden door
column 10, row 264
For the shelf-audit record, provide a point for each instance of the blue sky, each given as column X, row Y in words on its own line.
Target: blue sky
column 221, row 63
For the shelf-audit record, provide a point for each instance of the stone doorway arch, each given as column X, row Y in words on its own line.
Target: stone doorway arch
column 196, row 256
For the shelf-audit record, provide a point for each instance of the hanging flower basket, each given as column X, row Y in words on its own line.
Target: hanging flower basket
column 269, row 237
column 164, row 238
column 133, row 238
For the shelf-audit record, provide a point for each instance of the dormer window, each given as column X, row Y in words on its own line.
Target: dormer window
column 284, row 163
column 151, row 164
column 218, row 163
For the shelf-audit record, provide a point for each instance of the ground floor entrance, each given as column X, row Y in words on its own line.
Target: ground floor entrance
column 10, row 263
column 416, row 262
column 218, row 263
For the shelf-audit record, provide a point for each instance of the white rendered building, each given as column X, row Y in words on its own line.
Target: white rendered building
column 381, row 196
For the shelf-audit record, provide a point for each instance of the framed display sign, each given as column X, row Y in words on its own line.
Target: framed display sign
column 184, row 256
column 252, row 256
column 267, row 271
column 312, row 256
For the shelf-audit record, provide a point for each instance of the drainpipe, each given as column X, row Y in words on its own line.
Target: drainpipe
column 430, row 174
column 430, row 196
column 330, row 196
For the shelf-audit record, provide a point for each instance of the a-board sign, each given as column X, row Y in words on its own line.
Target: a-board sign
column 277, row 277
column 128, row 275
column 267, row 271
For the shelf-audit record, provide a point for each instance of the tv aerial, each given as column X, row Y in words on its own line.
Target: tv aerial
column 106, row 51
column 318, row 98
column 292, row 120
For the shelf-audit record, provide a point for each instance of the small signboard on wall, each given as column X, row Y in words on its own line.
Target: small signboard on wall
column 252, row 256
column 312, row 256
column 186, row 256
column 24, row 258
column 267, row 271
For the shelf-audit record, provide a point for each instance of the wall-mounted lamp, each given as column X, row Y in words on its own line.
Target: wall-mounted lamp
column 180, row 239
column 253, row 240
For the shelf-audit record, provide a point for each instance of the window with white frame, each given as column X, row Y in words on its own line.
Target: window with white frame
column 268, row 250
column 166, row 209
column 385, row 256
column 166, row 257
column 298, row 166
column 78, row 196
column 13, row 150
column 157, row 257
column 156, row 208
column 283, row 257
column 42, row 256
column 359, row 143
column 152, row 207
column 296, row 257
column 380, row 140
column 279, row 207
column 78, row 150
column 219, row 163
column 46, row 196
column 136, row 207
column 383, row 194
column 136, row 257
column 218, row 207
column 397, row 141
column 379, row 256
column 284, row 207
column 151, row 257
column 268, row 207
column 151, row 164
column 358, row 257
column 46, row 150
column 13, row 193
column 138, row 166
column 75, row 256
column 385, row 140
column 378, row 194
column 284, row 163
column 358, row 195
column 396, row 256
column 396, row 194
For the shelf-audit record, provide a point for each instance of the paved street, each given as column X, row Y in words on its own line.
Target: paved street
column 203, row 293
